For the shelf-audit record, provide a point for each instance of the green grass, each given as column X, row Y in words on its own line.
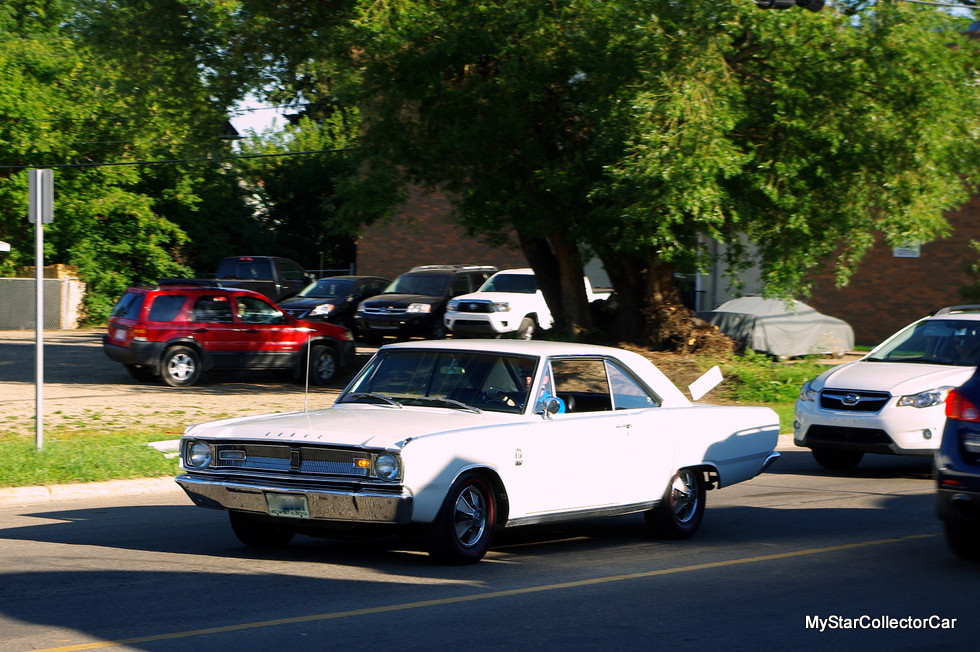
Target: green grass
column 87, row 456
column 754, row 379
column 94, row 448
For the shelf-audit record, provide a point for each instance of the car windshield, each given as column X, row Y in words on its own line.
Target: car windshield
column 516, row 283
column 432, row 285
column 458, row 380
column 327, row 288
column 935, row 341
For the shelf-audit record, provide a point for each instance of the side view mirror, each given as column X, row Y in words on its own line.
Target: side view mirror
column 550, row 406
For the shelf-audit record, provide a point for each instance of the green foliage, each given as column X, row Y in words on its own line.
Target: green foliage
column 81, row 459
column 639, row 127
column 755, row 378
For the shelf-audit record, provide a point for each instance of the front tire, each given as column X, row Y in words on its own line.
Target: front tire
column 256, row 534
column 464, row 527
column 833, row 459
column 526, row 330
column 180, row 366
column 963, row 539
column 323, row 365
column 679, row 513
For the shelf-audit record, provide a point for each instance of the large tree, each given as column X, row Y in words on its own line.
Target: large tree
column 633, row 129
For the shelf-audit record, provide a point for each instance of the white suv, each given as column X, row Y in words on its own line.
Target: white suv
column 892, row 400
column 508, row 302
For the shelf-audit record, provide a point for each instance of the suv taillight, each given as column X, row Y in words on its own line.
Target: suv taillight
column 138, row 332
column 960, row 409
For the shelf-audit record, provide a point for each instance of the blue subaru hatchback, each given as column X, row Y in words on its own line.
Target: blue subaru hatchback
column 958, row 470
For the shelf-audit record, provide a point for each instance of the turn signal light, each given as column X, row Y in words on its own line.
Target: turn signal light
column 139, row 332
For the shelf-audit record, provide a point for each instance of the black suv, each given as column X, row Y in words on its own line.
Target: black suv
column 415, row 302
column 958, row 470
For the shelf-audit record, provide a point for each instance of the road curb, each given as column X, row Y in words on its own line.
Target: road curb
column 16, row 496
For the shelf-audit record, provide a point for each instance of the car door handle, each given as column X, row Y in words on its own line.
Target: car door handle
column 201, row 330
column 625, row 425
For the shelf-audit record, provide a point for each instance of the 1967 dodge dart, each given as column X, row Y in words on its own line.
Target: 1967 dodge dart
column 459, row 438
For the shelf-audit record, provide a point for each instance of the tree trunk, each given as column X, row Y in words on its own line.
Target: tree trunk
column 558, row 268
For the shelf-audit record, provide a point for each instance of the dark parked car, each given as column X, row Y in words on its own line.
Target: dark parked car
column 176, row 331
column 334, row 299
column 958, row 470
column 275, row 277
column 415, row 302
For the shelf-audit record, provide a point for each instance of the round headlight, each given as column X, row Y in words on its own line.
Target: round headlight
column 387, row 467
column 199, row 454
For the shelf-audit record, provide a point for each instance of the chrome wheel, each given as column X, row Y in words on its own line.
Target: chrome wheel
column 323, row 366
column 684, row 499
column 681, row 509
column 470, row 517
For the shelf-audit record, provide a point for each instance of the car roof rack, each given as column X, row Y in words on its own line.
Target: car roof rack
column 951, row 309
column 195, row 282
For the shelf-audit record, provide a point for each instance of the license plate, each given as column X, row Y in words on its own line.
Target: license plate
column 288, row 505
column 120, row 333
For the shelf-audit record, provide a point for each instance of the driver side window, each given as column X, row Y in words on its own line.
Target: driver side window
column 256, row 311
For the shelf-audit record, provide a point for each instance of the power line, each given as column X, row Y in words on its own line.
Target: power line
column 171, row 161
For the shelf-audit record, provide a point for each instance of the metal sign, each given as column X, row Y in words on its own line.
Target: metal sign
column 41, row 196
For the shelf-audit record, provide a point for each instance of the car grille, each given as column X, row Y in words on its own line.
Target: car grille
column 842, row 435
column 281, row 458
column 850, row 400
column 474, row 306
column 297, row 313
column 384, row 310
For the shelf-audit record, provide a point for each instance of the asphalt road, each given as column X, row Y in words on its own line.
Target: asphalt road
column 151, row 572
column 135, row 566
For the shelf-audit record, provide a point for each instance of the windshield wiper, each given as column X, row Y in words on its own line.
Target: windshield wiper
column 359, row 395
column 459, row 405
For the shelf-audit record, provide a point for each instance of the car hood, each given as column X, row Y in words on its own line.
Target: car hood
column 306, row 302
column 897, row 378
column 494, row 297
column 371, row 426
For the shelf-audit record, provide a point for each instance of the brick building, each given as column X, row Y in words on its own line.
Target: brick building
column 421, row 235
column 893, row 288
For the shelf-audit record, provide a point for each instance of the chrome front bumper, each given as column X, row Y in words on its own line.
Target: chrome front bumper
column 362, row 506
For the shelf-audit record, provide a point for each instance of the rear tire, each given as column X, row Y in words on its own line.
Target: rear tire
column 180, row 366
column 834, row 459
column 681, row 510
column 963, row 539
column 257, row 534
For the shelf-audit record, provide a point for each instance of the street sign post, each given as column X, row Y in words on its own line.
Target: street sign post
column 40, row 211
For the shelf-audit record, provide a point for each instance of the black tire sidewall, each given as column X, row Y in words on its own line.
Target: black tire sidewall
column 443, row 545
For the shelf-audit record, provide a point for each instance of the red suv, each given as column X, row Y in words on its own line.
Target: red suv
column 176, row 331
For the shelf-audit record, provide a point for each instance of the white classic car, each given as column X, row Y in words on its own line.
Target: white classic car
column 459, row 438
